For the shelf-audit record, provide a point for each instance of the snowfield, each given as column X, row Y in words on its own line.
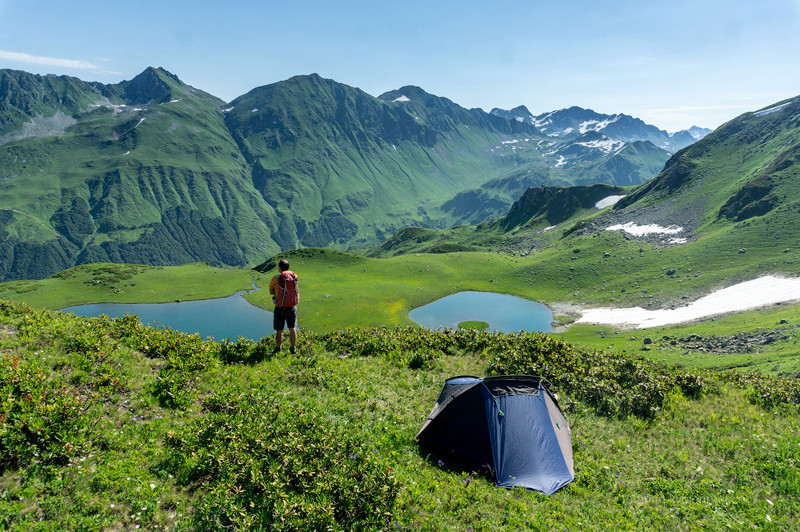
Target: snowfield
column 607, row 145
column 772, row 109
column 748, row 295
column 642, row 230
column 597, row 125
column 607, row 202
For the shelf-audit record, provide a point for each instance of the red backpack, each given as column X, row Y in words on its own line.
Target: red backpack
column 287, row 294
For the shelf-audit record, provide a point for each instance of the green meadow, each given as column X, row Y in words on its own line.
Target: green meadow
column 112, row 425
column 344, row 290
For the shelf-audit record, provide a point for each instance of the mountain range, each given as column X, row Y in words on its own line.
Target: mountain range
column 731, row 198
column 154, row 171
column 573, row 122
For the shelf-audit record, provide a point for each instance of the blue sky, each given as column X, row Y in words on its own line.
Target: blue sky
column 673, row 64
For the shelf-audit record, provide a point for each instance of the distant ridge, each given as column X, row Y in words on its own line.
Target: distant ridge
column 154, row 171
column 575, row 121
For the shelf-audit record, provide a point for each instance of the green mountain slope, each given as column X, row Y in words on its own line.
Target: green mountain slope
column 724, row 210
column 736, row 190
column 154, row 171
column 146, row 173
column 343, row 168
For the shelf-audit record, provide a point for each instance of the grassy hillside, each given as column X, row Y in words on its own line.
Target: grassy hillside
column 341, row 290
column 146, row 172
column 128, row 283
column 153, row 171
column 109, row 425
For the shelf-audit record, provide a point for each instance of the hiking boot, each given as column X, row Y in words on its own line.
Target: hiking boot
column 276, row 350
column 292, row 350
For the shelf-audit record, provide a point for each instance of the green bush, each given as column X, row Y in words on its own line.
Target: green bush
column 767, row 391
column 41, row 419
column 267, row 465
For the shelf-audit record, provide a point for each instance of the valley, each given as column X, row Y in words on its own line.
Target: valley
column 154, row 171
column 152, row 191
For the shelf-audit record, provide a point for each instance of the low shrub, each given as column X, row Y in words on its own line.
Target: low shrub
column 269, row 465
column 41, row 420
column 765, row 390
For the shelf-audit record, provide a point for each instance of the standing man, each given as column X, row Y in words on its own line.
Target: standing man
column 285, row 295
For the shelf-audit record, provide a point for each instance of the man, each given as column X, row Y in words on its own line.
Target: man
column 285, row 295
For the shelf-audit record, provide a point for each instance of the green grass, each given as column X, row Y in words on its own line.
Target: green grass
column 341, row 290
column 131, row 456
column 478, row 325
column 127, row 283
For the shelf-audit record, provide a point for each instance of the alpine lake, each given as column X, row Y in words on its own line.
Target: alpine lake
column 233, row 316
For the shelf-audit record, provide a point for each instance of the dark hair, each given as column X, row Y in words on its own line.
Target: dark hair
column 283, row 265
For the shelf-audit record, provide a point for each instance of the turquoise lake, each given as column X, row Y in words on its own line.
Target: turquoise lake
column 226, row 317
column 503, row 313
column 231, row 317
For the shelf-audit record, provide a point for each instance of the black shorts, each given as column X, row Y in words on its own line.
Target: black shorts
column 284, row 315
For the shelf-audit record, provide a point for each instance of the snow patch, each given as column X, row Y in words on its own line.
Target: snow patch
column 772, row 109
column 561, row 161
column 596, row 125
column 641, row 230
column 677, row 240
column 605, row 145
column 759, row 292
column 607, row 202
column 254, row 110
column 228, row 110
column 509, row 141
column 402, row 98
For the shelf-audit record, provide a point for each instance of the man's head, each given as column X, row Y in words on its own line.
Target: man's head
column 283, row 265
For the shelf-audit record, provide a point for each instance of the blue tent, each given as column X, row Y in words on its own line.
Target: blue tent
column 511, row 424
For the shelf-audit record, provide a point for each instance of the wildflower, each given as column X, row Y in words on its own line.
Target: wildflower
column 769, row 519
column 152, row 486
column 441, row 463
column 770, row 502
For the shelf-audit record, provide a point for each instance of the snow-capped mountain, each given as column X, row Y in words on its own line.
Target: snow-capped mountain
column 567, row 124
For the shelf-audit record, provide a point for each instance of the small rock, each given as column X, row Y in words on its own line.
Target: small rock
column 647, row 340
column 671, row 271
column 783, row 322
column 742, row 250
column 645, row 348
